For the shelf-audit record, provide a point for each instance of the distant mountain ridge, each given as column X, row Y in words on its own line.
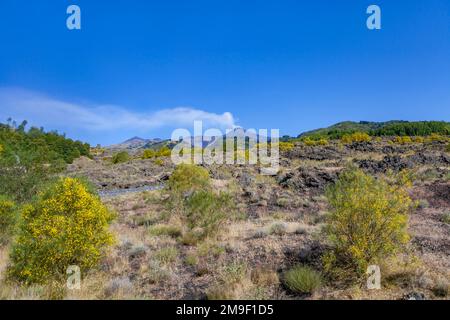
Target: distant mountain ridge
column 393, row 127
column 135, row 143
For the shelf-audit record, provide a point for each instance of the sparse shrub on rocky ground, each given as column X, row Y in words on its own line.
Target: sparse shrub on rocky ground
column 207, row 211
column 264, row 276
column 423, row 204
column 301, row 279
column 187, row 179
column 446, row 217
column 8, row 220
column 164, row 229
column 157, row 272
column 163, row 152
column 148, row 154
column 231, row 283
column 278, row 228
column 65, row 226
column 428, row 175
column 166, row 255
column 367, row 221
column 118, row 287
column 191, row 260
column 120, row 157
column 441, row 288
column 355, row 137
column 203, row 210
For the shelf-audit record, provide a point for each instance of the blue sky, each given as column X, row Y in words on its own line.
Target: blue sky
column 147, row 67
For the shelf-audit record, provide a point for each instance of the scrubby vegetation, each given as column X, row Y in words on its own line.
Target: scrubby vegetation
column 188, row 178
column 16, row 138
column 390, row 128
column 301, row 279
column 65, row 226
column 151, row 153
column 120, row 157
column 28, row 159
column 8, row 220
column 355, row 137
column 229, row 231
column 403, row 140
column 286, row 146
column 315, row 142
column 202, row 209
column 367, row 222
column 206, row 211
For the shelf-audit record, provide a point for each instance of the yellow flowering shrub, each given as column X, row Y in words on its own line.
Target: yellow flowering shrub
column 403, row 140
column 66, row 225
column 312, row 142
column 355, row 137
column 367, row 222
column 8, row 220
column 286, row 146
column 436, row 137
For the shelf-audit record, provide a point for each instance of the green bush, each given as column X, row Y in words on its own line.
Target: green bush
column 163, row 152
column 446, row 217
column 65, row 226
column 166, row 255
column 302, row 279
column 188, row 178
column 148, row 154
column 207, row 211
column 8, row 220
column 367, row 221
column 278, row 229
column 164, row 229
column 120, row 157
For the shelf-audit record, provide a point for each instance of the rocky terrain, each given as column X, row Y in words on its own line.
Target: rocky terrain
column 279, row 224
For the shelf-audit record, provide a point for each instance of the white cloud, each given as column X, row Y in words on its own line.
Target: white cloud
column 52, row 113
